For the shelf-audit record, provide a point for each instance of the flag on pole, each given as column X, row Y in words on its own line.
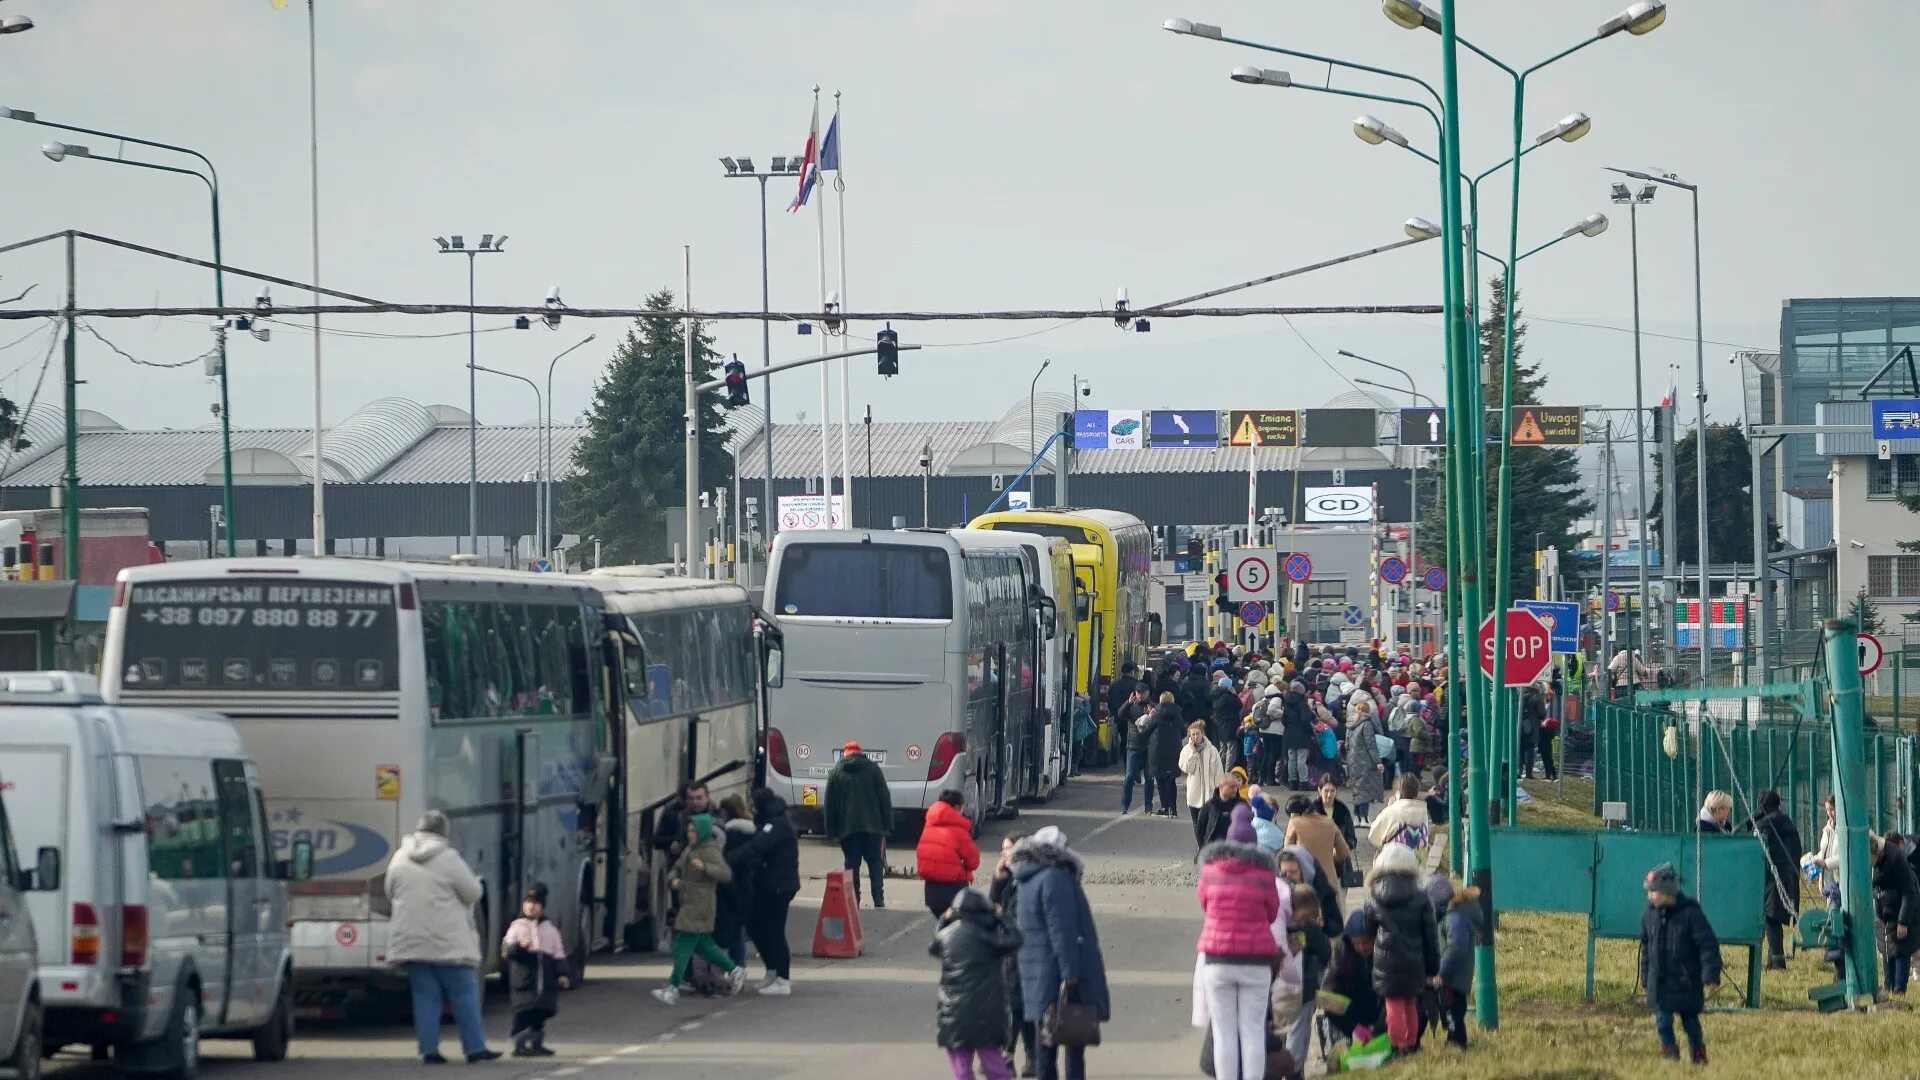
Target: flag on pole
column 809, row 161
column 830, row 146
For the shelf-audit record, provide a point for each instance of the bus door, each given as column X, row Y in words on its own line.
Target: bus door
column 997, row 758
column 522, row 824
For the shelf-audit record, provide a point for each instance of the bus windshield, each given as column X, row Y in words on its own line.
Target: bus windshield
column 865, row 581
column 1072, row 534
column 260, row 634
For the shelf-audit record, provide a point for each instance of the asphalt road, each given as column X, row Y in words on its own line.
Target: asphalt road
column 869, row 1017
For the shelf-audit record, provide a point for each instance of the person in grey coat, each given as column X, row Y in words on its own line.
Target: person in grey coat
column 1060, row 946
column 1362, row 762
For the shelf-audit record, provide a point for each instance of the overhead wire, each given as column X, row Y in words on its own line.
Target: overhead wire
column 129, row 357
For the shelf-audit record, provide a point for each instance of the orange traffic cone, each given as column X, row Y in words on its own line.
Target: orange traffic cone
column 836, row 935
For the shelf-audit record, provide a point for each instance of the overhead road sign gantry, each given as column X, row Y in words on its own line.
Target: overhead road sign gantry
column 1547, row 425
column 1423, row 427
column 1263, row 427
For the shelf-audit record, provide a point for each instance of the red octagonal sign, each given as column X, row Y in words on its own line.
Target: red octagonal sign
column 1529, row 647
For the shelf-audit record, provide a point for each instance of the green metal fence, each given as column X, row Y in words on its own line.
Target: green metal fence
column 1661, row 792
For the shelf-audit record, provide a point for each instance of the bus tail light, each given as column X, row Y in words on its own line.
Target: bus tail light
column 119, row 592
column 949, row 745
column 86, row 935
column 777, row 752
column 404, row 595
column 133, row 935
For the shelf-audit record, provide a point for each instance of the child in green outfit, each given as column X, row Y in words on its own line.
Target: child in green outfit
column 697, row 875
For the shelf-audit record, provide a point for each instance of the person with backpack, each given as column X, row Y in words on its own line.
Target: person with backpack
column 946, row 854
column 1270, row 711
column 1296, row 736
column 1679, row 962
column 1404, row 821
column 973, row 1018
column 1406, row 947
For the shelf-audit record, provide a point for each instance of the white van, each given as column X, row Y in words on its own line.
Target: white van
column 171, row 922
column 21, row 1014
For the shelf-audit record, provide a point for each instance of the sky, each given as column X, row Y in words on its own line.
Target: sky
column 997, row 155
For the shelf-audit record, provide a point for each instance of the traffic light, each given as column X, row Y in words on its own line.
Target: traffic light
column 1195, row 549
column 1220, row 593
column 888, row 351
column 736, row 383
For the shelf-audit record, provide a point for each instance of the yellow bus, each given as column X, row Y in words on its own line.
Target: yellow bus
column 1113, row 569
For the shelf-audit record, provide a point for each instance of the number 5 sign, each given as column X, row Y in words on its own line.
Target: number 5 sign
column 1250, row 575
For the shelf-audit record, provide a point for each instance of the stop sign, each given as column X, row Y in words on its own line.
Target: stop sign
column 1529, row 647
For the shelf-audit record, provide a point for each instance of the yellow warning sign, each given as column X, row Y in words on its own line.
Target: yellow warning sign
column 809, row 796
column 386, row 783
column 1547, row 425
column 1263, row 427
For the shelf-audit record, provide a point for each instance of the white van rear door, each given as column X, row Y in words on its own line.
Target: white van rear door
column 33, row 781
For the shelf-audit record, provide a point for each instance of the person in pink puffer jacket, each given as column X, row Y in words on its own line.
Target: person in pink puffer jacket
column 1240, row 900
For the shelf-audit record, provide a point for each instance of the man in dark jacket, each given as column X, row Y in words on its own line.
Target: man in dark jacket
column 1196, row 701
column 1217, row 815
column 1121, row 689
column 1780, row 885
column 1896, row 908
column 1165, row 732
column 973, row 1015
column 1135, row 718
column 775, row 854
column 1060, row 946
column 1679, row 961
column 859, row 814
column 1223, row 706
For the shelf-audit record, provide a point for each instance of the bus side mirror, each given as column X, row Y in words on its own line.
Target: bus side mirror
column 1049, row 615
column 300, row 862
column 45, row 875
column 773, row 654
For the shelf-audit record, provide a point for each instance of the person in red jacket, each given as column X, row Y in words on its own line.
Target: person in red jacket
column 1241, row 900
column 946, row 853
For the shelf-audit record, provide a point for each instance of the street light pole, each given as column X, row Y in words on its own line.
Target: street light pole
column 539, row 408
column 458, row 246
column 1633, row 200
column 1032, row 388
column 1700, row 415
column 59, row 151
column 546, row 452
column 742, row 168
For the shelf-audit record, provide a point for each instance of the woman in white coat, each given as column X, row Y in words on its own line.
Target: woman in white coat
column 1200, row 763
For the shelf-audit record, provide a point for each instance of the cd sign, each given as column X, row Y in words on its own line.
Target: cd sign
column 1335, row 504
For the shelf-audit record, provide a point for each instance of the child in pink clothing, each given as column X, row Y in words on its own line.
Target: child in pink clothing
column 537, row 973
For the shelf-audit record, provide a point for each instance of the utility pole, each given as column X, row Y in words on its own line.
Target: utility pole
column 692, row 488
column 70, row 483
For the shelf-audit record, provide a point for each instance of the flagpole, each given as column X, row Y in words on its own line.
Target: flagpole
column 846, row 405
column 820, row 249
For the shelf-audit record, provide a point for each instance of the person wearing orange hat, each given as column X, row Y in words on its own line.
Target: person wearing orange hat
column 859, row 815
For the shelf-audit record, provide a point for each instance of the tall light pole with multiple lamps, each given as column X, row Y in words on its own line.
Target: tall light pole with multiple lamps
column 1700, row 410
column 1633, row 201
column 458, row 246
column 741, row 168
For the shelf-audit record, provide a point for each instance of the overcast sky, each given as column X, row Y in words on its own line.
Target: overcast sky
column 998, row 155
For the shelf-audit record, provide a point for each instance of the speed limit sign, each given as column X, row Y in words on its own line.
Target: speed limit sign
column 1870, row 654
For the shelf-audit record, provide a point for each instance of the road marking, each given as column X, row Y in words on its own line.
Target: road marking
column 604, row 1059
column 690, row 1025
column 570, row 1070
column 898, row 934
column 667, row 1036
column 634, row 1049
column 1088, row 839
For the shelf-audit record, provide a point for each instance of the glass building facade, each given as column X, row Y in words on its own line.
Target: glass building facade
column 1829, row 349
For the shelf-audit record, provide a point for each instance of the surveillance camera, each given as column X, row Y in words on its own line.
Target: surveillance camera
column 1833, row 474
column 1855, row 544
column 1086, row 391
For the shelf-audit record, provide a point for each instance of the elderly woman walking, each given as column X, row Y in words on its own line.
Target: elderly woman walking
column 1364, row 780
column 1059, row 946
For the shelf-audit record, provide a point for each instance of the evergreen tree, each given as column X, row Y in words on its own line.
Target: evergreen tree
column 631, row 465
column 1547, row 494
column 12, row 427
column 1869, row 613
column 1729, row 496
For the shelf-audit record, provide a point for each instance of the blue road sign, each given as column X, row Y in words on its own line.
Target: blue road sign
column 1252, row 612
column 1613, row 600
column 1562, row 619
column 541, row 566
column 1299, row 567
column 1090, row 429
column 1183, row 427
column 1896, row 418
column 1354, row 615
column 1392, row 570
column 1184, row 564
column 1435, row 579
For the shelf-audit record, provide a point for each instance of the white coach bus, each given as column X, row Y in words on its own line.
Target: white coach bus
column 369, row 692
column 913, row 644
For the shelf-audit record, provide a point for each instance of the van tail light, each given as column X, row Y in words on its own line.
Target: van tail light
column 949, row 745
column 777, row 752
column 86, row 935
column 133, row 935
column 120, row 592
